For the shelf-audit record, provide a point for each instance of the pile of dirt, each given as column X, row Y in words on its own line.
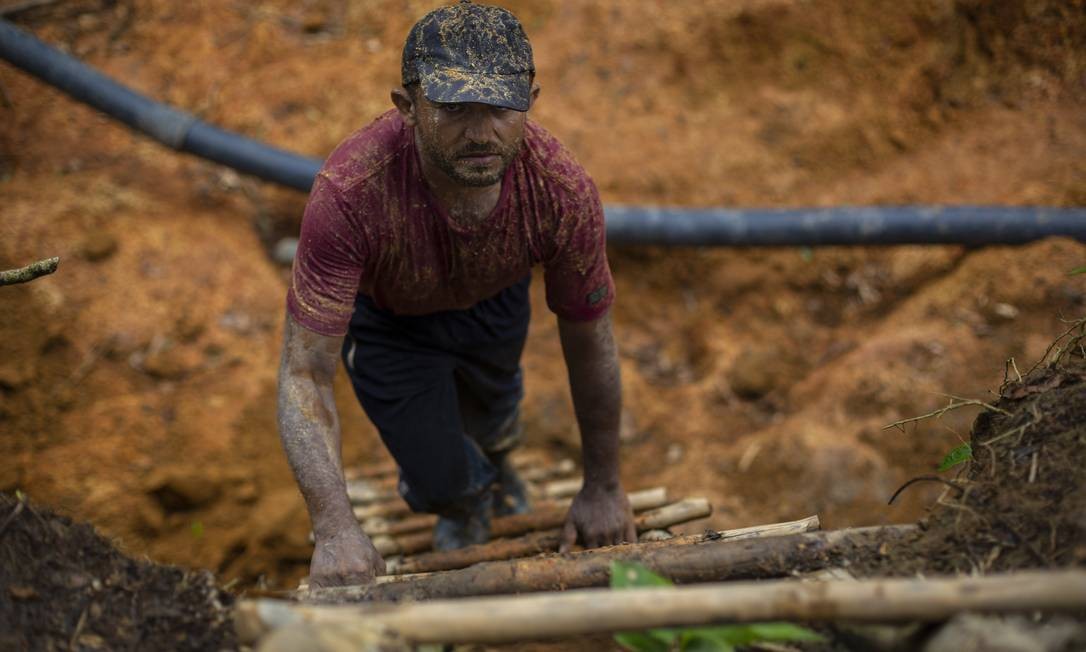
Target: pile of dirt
column 1021, row 501
column 62, row 586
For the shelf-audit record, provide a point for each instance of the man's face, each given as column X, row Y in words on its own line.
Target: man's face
column 471, row 143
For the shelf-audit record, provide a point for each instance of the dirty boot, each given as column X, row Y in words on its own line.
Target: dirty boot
column 466, row 526
column 511, row 495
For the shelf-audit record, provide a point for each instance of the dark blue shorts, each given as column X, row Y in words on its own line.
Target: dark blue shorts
column 444, row 391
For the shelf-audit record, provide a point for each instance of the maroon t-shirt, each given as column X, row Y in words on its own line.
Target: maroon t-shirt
column 373, row 227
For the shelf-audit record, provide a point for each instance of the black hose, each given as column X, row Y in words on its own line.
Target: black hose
column 970, row 225
column 173, row 128
column 842, row 225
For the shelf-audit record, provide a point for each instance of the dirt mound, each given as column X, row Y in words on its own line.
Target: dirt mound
column 1021, row 501
column 65, row 587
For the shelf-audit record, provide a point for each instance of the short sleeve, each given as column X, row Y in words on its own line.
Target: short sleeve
column 327, row 265
column 577, row 276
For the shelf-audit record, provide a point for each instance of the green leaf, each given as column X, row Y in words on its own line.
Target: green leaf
column 197, row 529
column 781, row 632
column 644, row 641
column 704, row 640
column 956, row 457
column 629, row 575
column 732, row 635
column 1078, row 270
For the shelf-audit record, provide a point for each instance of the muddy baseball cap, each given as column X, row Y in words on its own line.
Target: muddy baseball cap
column 470, row 53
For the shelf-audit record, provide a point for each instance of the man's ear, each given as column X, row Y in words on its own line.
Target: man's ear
column 534, row 95
column 405, row 105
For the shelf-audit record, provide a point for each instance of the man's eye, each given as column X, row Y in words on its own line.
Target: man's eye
column 452, row 107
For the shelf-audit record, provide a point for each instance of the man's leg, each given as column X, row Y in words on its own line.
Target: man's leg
column 407, row 388
column 490, row 386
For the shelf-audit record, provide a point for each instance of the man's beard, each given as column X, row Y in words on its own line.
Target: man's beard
column 461, row 171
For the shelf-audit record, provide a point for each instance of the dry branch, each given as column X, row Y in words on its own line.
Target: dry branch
column 369, row 491
column 517, row 618
column 391, row 509
column 688, row 559
column 684, row 511
column 566, row 488
column 547, row 515
column 30, row 272
column 809, row 524
column 961, row 402
column 522, row 460
column 381, row 478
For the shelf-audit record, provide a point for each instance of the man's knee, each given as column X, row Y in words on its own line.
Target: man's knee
column 507, row 436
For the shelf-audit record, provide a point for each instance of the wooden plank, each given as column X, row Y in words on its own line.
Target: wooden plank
column 686, row 510
column 518, row 618
column 547, row 515
column 689, row 559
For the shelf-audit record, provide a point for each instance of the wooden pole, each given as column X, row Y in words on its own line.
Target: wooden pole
column 684, row 511
column 387, row 477
column 691, row 559
column 546, row 515
column 365, row 491
column 522, row 618
column 390, row 509
column 522, row 460
column 809, row 524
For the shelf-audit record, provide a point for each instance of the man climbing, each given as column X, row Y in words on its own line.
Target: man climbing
column 413, row 265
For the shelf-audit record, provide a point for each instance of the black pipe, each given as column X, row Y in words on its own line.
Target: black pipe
column 842, row 225
column 173, row 128
column 970, row 225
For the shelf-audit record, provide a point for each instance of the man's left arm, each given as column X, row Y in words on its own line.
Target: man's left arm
column 600, row 514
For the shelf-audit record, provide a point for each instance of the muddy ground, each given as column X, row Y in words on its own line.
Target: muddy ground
column 137, row 383
column 1016, row 503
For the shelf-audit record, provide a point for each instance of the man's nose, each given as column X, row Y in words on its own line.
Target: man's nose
column 480, row 125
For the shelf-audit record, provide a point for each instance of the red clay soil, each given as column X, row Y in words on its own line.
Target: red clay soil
column 137, row 383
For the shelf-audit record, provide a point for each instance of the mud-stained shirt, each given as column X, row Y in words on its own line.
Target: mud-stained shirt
column 372, row 226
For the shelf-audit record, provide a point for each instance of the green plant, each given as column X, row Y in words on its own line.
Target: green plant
column 628, row 575
column 1078, row 270
column 957, row 456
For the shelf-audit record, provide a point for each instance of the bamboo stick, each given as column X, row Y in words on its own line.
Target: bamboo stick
column 686, row 510
column 560, row 469
column 547, row 515
column 531, row 475
column 693, row 560
column 565, row 488
column 520, row 618
column 365, row 491
column 390, row 509
column 383, row 468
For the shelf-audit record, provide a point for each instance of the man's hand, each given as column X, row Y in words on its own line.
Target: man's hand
column 599, row 517
column 345, row 558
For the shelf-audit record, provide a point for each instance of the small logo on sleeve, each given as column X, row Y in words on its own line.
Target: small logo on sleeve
column 598, row 295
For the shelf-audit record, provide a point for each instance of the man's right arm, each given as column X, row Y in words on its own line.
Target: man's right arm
column 309, row 430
